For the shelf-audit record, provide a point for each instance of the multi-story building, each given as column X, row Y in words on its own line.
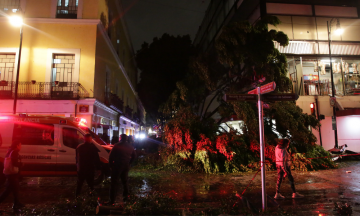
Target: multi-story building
column 306, row 24
column 76, row 60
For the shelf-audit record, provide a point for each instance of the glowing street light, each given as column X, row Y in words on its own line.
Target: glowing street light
column 338, row 30
column 16, row 21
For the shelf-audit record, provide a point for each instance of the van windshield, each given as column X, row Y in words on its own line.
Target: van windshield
column 94, row 136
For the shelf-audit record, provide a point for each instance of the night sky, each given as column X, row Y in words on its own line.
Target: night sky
column 147, row 19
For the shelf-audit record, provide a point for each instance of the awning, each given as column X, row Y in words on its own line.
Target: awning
column 315, row 48
column 348, row 112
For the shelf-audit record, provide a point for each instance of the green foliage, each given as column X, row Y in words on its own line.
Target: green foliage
column 313, row 157
column 243, row 54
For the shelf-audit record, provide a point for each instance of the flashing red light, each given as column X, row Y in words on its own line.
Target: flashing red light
column 312, row 109
column 82, row 122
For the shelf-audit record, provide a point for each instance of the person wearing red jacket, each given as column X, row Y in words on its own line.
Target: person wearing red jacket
column 283, row 163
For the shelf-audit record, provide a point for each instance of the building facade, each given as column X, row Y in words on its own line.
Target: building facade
column 76, row 60
column 308, row 54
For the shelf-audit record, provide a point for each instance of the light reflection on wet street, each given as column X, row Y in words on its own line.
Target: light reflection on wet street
column 321, row 188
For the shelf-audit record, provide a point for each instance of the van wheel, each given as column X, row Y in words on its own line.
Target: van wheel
column 2, row 176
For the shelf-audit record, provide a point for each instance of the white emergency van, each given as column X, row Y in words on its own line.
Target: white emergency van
column 48, row 144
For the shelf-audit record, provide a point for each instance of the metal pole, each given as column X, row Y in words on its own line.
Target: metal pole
column 262, row 149
column 332, row 81
column 18, row 70
column 318, row 117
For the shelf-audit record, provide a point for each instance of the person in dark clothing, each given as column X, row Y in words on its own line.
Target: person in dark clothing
column 120, row 158
column 12, row 174
column 131, row 140
column 87, row 160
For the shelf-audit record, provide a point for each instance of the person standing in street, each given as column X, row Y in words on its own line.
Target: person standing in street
column 131, row 140
column 283, row 163
column 121, row 156
column 11, row 171
column 87, row 160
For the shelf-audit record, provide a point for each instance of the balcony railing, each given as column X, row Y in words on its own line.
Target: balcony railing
column 113, row 101
column 43, row 90
column 128, row 112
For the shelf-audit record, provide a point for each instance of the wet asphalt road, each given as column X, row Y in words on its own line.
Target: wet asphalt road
column 321, row 188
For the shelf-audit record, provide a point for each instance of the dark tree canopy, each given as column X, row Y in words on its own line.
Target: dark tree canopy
column 162, row 63
column 242, row 54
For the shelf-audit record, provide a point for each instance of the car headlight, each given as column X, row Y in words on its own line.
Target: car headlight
column 142, row 136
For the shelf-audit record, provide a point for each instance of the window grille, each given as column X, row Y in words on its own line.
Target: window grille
column 9, row 5
column 7, row 64
column 63, row 67
column 67, row 9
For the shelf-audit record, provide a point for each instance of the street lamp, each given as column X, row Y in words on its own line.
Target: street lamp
column 338, row 31
column 17, row 21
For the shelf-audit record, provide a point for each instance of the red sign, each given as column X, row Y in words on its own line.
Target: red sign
column 83, row 108
column 264, row 89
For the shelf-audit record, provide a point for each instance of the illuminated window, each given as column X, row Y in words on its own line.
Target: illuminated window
column 63, row 67
column 7, row 63
column 9, row 5
column 67, row 9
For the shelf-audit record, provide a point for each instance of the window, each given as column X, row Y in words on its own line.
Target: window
column 67, row 9
column 72, row 137
column 63, row 67
column 34, row 134
column 9, row 5
column 7, row 63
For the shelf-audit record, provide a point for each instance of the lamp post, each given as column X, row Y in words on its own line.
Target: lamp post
column 338, row 31
column 17, row 21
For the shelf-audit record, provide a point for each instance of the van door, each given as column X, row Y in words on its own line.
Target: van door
column 38, row 151
column 70, row 138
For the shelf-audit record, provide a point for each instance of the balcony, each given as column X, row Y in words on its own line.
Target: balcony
column 43, row 90
column 128, row 112
column 136, row 117
column 113, row 101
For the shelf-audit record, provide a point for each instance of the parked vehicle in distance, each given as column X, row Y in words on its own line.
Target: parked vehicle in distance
column 48, row 145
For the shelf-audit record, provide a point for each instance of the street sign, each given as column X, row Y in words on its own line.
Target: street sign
column 264, row 89
column 279, row 97
column 240, row 97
